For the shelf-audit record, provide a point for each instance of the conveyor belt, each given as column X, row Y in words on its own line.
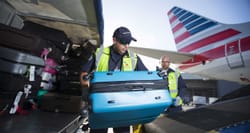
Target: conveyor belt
column 204, row 118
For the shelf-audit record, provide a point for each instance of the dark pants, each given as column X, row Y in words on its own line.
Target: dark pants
column 116, row 130
column 173, row 109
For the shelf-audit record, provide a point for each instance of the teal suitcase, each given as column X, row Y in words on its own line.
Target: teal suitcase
column 126, row 98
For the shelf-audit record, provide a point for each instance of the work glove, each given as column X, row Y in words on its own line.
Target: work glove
column 162, row 73
column 85, row 82
column 176, row 101
column 186, row 100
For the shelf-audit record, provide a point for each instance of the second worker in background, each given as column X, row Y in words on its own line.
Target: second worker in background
column 176, row 85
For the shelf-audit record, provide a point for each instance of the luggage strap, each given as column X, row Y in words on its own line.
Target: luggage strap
column 128, row 86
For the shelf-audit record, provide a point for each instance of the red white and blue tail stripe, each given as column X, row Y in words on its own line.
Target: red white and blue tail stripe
column 205, row 38
column 185, row 24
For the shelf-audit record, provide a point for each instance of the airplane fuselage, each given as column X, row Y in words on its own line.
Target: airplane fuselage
column 226, row 56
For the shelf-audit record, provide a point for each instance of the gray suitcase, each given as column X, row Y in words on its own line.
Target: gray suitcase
column 20, row 57
column 16, row 62
column 13, row 68
column 20, row 40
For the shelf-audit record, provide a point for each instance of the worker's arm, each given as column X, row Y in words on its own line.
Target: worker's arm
column 85, row 85
column 86, row 69
column 183, row 92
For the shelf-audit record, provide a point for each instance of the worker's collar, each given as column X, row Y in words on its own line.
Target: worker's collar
column 168, row 70
column 113, row 52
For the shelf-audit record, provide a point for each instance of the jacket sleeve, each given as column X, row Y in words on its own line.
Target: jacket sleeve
column 140, row 66
column 88, row 65
column 183, row 92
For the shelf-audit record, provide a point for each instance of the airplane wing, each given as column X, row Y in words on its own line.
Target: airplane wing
column 176, row 57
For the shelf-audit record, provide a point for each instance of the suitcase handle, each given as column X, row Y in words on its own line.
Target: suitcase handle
column 109, row 73
column 111, row 101
column 157, row 97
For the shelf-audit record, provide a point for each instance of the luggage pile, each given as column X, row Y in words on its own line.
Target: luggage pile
column 36, row 60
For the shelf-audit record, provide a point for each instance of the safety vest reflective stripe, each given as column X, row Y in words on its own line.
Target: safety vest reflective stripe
column 133, row 59
column 102, row 57
column 176, row 77
column 98, row 55
column 173, row 91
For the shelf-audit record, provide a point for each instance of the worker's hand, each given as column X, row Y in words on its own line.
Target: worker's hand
column 162, row 73
column 176, row 101
column 84, row 80
column 186, row 98
column 85, row 85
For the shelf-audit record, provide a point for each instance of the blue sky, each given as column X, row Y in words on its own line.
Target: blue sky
column 149, row 24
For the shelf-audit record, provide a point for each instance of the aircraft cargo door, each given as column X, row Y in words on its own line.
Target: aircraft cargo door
column 233, row 54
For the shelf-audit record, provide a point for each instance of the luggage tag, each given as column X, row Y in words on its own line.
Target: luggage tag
column 27, row 88
column 15, row 104
column 32, row 73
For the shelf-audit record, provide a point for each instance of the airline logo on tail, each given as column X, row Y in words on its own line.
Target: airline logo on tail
column 185, row 24
column 206, row 38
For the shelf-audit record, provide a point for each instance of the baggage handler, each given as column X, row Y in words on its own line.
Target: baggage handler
column 176, row 85
column 116, row 57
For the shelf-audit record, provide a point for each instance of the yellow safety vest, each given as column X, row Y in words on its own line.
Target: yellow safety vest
column 102, row 60
column 173, row 85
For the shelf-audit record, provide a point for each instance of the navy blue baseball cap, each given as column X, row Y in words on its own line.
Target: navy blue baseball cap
column 123, row 35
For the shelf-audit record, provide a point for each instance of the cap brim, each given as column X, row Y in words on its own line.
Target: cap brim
column 133, row 39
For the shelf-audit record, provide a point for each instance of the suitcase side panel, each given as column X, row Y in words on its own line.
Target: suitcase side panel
column 13, row 68
column 128, row 108
column 120, row 101
column 17, row 39
column 11, row 82
column 56, row 37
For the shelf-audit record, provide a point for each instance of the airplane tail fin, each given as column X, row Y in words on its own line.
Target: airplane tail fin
column 200, row 40
column 193, row 33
